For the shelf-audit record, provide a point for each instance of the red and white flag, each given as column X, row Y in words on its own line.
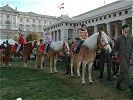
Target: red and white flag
column 61, row 6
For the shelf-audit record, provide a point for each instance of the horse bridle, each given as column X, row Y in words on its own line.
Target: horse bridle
column 105, row 44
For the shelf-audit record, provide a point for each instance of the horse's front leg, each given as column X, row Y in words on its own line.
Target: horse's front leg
column 90, row 71
column 78, row 69
column 83, row 72
column 51, row 60
column 71, row 66
column 55, row 69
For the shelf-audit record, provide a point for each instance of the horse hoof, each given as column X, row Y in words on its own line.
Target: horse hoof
column 51, row 72
column 79, row 76
column 90, row 82
column 71, row 76
column 83, row 84
column 56, row 72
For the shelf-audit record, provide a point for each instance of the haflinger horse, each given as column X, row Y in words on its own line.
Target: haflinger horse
column 54, row 49
column 10, row 50
column 87, row 53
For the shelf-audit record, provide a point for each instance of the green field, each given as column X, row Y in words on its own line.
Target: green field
column 29, row 84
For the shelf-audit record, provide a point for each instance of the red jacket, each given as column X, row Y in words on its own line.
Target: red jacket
column 21, row 40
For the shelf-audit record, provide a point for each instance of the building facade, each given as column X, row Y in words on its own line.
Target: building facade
column 109, row 17
column 14, row 22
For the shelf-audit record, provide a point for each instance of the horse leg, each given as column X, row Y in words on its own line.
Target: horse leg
column 90, row 72
column 42, row 59
column 55, row 69
column 72, row 66
column 51, row 60
column 25, row 61
column 78, row 69
column 83, row 72
column 36, row 61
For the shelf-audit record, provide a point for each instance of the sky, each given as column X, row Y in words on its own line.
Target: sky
column 50, row 7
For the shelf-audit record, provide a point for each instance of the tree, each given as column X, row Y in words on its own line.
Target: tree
column 32, row 36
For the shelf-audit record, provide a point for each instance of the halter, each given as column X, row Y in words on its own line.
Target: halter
column 105, row 44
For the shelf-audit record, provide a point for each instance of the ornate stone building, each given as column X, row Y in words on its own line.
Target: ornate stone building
column 13, row 22
column 109, row 17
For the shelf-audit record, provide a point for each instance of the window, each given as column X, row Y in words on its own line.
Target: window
column 33, row 20
column 21, row 20
column 104, row 17
column 27, row 20
column 120, row 13
column 126, row 12
column 109, row 16
column 7, row 16
column 114, row 15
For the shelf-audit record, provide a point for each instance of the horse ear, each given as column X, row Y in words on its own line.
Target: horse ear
column 100, row 32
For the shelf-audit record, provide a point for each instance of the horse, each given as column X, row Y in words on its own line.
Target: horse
column 27, row 48
column 54, row 49
column 87, row 53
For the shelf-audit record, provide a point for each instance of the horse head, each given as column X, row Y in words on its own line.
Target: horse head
column 103, row 41
column 65, row 48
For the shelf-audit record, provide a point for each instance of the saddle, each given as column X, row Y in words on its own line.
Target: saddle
column 14, row 47
column 42, row 47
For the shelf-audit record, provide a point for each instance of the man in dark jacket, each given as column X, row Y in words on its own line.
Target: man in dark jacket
column 105, row 56
column 124, row 47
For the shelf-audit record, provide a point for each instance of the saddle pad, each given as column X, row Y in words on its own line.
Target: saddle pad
column 14, row 48
column 72, row 48
column 41, row 47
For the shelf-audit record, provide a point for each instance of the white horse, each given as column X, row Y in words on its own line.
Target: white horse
column 87, row 53
column 53, row 52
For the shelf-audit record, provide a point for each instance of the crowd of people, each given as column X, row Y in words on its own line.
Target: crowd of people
column 117, row 62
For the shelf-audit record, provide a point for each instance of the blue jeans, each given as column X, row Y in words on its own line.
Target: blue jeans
column 46, row 46
column 77, row 45
column 18, row 48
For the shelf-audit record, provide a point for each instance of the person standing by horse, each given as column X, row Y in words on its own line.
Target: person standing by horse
column 21, row 42
column 67, row 57
column 124, row 47
column 48, row 40
column 83, row 34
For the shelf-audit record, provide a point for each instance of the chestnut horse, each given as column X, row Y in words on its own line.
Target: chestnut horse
column 27, row 48
column 53, row 52
column 87, row 53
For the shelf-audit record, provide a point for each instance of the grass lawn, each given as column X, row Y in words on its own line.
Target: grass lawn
column 29, row 84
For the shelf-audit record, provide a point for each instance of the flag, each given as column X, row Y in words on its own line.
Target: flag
column 61, row 6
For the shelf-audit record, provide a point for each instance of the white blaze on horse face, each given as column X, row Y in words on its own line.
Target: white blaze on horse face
column 67, row 49
column 105, row 41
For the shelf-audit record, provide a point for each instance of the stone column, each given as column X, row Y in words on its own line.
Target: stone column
column 57, row 38
column 64, row 34
column 54, row 35
column 108, row 29
column 95, row 29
